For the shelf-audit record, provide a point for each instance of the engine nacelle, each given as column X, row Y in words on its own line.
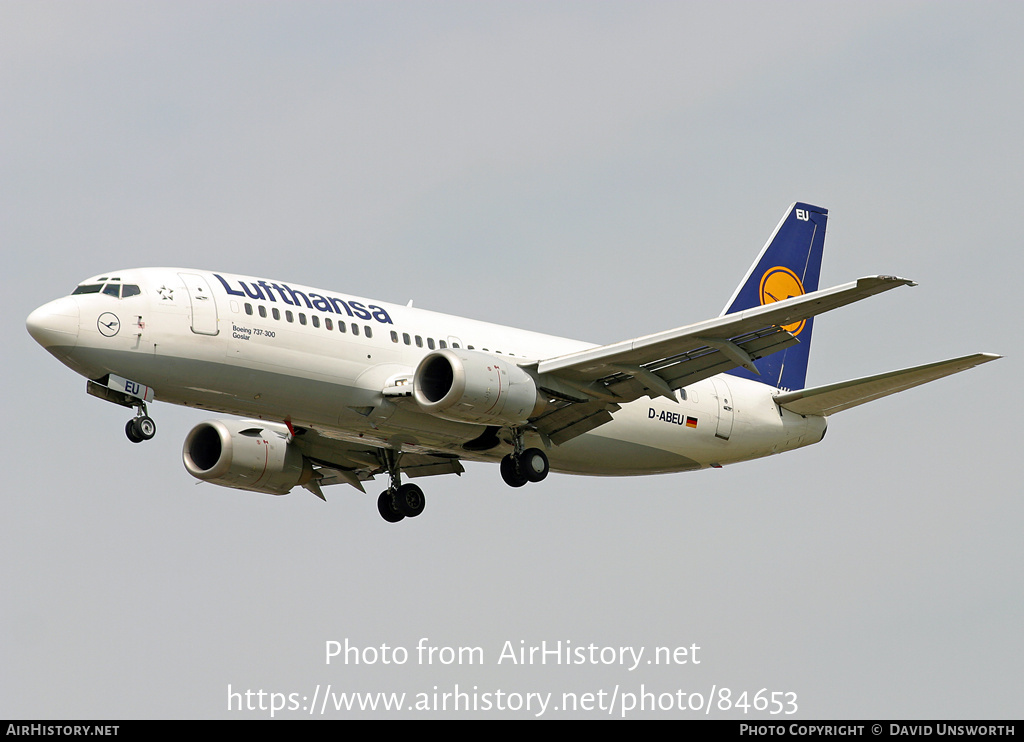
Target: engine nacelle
column 245, row 454
column 475, row 387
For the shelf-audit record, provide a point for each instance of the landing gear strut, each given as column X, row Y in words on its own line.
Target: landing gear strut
column 399, row 500
column 141, row 427
column 523, row 465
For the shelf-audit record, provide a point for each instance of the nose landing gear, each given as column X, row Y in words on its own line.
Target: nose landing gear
column 141, row 427
column 127, row 393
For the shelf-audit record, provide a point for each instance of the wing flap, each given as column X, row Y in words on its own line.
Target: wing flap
column 829, row 399
column 565, row 423
column 427, row 465
column 710, row 361
column 338, row 461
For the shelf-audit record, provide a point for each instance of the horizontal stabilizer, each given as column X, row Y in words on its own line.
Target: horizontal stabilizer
column 826, row 400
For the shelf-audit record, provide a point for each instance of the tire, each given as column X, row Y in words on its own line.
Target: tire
column 534, row 464
column 386, row 508
column 410, row 500
column 511, row 473
column 132, row 432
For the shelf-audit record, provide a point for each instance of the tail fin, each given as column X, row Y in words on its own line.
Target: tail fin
column 789, row 265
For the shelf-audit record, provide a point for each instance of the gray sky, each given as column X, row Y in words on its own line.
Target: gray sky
column 592, row 170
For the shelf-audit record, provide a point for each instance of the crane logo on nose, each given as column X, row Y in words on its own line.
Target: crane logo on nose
column 108, row 324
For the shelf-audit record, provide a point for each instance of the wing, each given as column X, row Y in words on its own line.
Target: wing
column 591, row 384
column 832, row 398
column 338, row 461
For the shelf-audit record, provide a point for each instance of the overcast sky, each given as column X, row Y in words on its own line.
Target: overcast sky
column 598, row 170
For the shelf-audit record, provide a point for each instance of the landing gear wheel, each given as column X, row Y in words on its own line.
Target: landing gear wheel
column 130, row 430
column 512, row 473
column 140, row 429
column 409, row 500
column 533, row 463
column 386, row 508
column 145, row 427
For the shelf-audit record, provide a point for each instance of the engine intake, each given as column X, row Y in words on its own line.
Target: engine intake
column 470, row 386
column 246, row 455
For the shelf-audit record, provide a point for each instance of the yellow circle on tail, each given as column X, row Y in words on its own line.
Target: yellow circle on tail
column 781, row 283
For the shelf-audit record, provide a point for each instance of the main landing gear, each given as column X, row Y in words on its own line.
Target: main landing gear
column 523, row 465
column 406, row 501
column 399, row 500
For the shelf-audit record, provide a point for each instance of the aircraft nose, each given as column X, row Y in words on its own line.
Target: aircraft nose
column 55, row 325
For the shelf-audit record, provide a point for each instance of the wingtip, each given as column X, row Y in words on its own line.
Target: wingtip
column 886, row 278
column 897, row 279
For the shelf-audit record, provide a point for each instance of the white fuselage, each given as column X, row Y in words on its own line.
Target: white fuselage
column 318, row 359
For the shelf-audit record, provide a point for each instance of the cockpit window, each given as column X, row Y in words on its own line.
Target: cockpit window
column 116, row 290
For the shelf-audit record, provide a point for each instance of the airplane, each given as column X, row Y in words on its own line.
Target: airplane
column 334, row 389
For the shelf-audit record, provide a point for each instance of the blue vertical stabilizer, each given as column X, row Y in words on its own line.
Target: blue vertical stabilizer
column 789, row 265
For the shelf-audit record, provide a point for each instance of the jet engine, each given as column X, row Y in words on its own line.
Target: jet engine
column 247, row 455
column 475, row 387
